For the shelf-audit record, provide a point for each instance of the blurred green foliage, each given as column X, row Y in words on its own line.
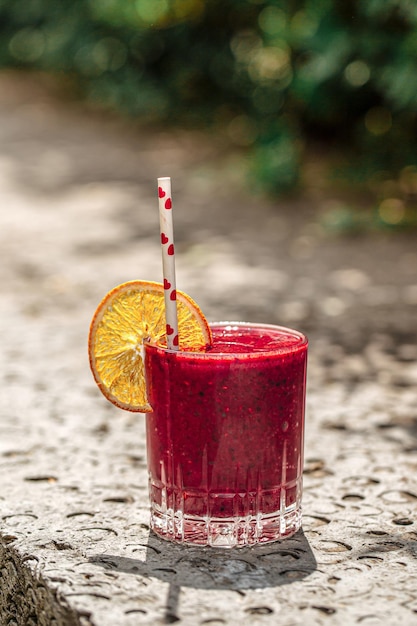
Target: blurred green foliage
column 272, row 75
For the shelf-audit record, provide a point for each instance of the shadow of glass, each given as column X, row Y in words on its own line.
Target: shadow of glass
column 271, row 565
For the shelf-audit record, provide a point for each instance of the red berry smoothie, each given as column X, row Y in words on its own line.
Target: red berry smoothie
column 225, row 438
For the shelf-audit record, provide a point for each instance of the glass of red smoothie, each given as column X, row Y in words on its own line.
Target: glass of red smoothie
column 225, row 436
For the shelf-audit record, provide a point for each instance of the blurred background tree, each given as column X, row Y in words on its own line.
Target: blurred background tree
column 276, row 77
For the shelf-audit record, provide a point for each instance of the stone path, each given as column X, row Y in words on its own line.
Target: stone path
column 77, row 217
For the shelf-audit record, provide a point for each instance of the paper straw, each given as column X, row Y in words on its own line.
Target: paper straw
column 168, row 261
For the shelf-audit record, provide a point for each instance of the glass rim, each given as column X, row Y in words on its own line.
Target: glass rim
column 232, row 356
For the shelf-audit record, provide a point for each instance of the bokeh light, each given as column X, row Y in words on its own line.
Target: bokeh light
column 392, row 211
column 27, row 45
column 378, row 120
column 357, row 73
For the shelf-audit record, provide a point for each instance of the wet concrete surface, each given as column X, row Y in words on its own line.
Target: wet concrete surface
column 79, row 216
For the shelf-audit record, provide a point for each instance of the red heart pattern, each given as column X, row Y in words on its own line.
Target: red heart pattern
column 170, row 252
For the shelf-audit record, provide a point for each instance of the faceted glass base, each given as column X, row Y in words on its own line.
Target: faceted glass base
column 224, row 532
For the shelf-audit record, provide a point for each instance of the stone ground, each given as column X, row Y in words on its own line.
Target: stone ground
column 78, row 216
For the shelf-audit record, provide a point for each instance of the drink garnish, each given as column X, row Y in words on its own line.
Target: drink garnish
column 130, row 315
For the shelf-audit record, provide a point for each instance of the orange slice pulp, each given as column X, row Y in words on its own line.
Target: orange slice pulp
column 127, row 317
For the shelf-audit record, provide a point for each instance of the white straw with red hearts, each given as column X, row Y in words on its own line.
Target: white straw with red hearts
column 168, row 261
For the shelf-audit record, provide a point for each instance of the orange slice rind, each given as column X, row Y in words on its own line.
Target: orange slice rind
column 128, row 316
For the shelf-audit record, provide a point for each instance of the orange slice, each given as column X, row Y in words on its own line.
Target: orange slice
column 127, row 317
